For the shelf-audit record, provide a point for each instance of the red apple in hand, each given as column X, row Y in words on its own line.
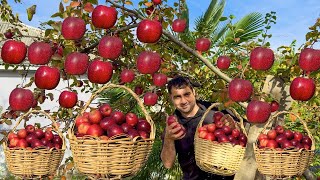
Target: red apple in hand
column 104, row 17
column 100, row 72
column 302, row 89
column 223, row 62
column 258, row 111
column 21, row 99
column 179, row 25
column 47, row 77
column 105, row 110
column 149, row 31
column 203, row 44
column 261, row 58
column 73, row 28
column 240, row 90
column 148, row 62
column 131, row 119
column 39, row 53
column 68, row 99
column 13, row 52
column 76, row 63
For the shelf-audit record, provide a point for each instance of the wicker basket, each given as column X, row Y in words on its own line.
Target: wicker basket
column 36, row 162
column 218, row 158
column 285, row 162
column 115, row 158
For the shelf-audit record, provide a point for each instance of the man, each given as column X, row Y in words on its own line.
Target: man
column 189, row 112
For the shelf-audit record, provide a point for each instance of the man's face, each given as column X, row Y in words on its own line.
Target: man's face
column 183, row 99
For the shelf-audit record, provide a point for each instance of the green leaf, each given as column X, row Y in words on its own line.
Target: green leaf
column 223, row 18
column 38, row 125
column 31, row 11
column 50, row 96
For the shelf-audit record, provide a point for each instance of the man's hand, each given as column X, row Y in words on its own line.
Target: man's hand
column 172, row 131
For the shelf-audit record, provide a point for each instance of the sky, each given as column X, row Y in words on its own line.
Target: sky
column 293, row 16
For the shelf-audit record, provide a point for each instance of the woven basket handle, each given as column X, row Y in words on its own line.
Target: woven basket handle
column 140, row 103
column 233, row 110
column 273, row 118
column 33, row 111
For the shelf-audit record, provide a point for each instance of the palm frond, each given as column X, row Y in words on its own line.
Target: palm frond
column 207, row 23
column 246, row 28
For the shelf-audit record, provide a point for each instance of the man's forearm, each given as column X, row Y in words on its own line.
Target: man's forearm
column 168, row 153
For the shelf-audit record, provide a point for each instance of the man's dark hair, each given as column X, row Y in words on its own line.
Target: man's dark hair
column 179, row 82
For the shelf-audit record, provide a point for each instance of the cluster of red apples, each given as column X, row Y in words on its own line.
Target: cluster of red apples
column 105, row 123
column 301, row 88
column 280, row 138
column 31, row 138
column 219, row 132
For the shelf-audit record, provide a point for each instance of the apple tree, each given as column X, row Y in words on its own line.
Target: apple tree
column 90, row 43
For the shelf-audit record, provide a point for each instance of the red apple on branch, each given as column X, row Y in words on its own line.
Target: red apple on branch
column 240, row 90
column 104, row 17
column 110, row 47
column 47, row 77
column 127, row 76
column 179, row 25
column 302, row 89
column 68, row 99
column 39, row 53
column 223, row 62
column 258, row 111
column 73, row 28
column 149, row 31
column 100, row 72
column 261, row 58
column 148, row 62
column 13, row 52
column 76, row 63
column 309, row 59
column 159, row 79
column 21, row 99
column 203, row 44
column 150, row 99
column 274, row 106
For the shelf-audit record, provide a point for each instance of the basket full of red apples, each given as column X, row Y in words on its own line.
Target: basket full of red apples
column 109, row 143
column 33, row 152
column 281, row 152
column 220, row 145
